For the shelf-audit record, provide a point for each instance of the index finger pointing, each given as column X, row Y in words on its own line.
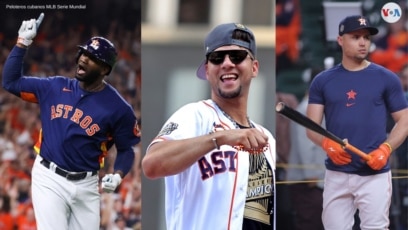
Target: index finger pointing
column 39, row 20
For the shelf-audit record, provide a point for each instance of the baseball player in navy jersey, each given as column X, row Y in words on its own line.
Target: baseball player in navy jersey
column 355, row 97
column 81, row 118
column 218, row 164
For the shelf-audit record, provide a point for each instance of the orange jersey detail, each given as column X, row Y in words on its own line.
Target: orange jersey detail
column 37, row 145
column 30, row 97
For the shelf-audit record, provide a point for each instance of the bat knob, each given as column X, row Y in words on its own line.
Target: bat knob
column 279, row 106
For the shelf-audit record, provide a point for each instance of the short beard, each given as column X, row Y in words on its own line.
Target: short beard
column 90, row 77
column 233, row 94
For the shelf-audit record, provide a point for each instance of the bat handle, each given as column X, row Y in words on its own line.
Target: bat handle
column 357, row 151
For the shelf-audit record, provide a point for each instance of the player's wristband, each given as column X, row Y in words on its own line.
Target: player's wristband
column 24, row 41
column 388, row 145
column 215, row 143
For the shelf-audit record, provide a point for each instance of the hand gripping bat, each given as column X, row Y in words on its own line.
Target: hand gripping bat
column 309, row 124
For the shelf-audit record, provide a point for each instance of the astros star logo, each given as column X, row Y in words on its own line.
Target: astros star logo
column 95, row 44
column 362, row 21
column 351, row 94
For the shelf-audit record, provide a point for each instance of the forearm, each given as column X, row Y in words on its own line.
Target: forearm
column 124, row 162
column 316, row 138
column 170, row 157
column 398, row 134
column 315, row 113
column 12, row 70
column 400, row 130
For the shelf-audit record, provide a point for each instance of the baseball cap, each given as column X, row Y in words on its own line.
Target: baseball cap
column 221, row 35
column 356, row 22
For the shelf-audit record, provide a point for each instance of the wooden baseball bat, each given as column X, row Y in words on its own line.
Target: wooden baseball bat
column 309, row 124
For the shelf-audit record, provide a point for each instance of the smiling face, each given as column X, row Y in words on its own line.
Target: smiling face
column 229, row 80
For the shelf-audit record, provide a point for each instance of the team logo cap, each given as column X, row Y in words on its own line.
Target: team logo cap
column 222, row 36
column 356, row 22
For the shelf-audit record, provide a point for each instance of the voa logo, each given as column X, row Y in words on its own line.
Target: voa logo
column 391, row 12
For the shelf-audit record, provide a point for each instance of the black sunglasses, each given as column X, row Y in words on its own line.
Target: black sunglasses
column 236, row 56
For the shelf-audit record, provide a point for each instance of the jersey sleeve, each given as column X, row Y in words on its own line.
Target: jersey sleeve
column 315, row 90
column 12, row 70
column 395, row 96
column 126, row 136
column 186, row 122
column 28, row 88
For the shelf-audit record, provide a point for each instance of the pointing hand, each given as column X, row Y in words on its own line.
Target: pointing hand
column 28, row 30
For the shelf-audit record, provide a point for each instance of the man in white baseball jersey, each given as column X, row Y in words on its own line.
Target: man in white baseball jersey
column 218, row 164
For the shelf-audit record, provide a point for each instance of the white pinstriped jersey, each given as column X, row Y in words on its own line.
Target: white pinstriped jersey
column 211, row 193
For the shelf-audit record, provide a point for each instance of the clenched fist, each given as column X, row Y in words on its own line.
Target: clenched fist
column 110, row 182
column 335, row 152
column 379, row 157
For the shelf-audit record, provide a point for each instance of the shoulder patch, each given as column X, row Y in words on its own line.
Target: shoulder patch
column 170, row 127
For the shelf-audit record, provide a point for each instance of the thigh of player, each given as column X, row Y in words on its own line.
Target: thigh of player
column 51, row 196
column 85, row 211
column 373, row 200
column 338, row 201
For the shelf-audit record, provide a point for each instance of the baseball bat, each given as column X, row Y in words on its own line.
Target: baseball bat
column 301, row 119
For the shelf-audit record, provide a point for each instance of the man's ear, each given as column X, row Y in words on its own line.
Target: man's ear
column 255, row 68
column 105, row 70
column 340, row 40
